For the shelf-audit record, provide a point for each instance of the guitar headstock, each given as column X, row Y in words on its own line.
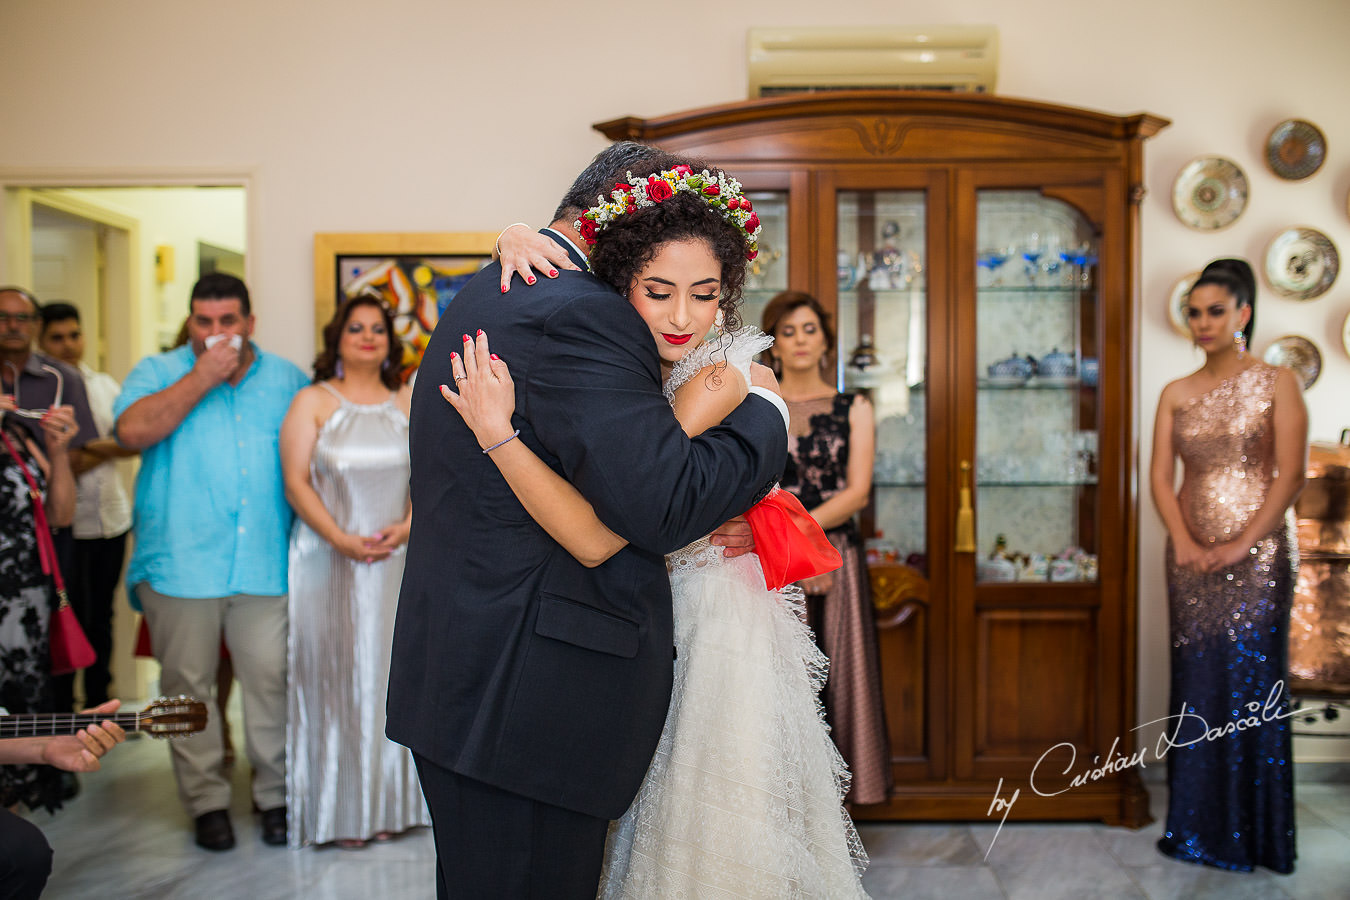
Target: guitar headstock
column 172, row 717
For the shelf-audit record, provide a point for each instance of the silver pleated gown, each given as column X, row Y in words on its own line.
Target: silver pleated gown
column 344, row 779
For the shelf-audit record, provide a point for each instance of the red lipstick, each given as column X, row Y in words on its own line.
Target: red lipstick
column 676, row 339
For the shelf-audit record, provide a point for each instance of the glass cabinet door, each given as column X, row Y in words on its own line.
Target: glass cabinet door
column 882, row 348
column 1037, row 406
column 767, row 273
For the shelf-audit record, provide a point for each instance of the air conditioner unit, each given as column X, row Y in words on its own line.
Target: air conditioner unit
column 895, row 57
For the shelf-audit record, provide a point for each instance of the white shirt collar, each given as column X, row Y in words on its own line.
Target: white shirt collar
column 567, row 237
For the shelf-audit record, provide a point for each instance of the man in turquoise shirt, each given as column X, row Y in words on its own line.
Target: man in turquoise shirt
column 212, row 526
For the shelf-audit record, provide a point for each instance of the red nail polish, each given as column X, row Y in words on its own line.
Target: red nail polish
column 495, row 356
column 454, row 355
column 530, row 280
column 480, row 332
column 503, row 289
column 466, row 338
column 552, row 273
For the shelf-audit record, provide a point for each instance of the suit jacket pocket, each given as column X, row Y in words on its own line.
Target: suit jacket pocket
column 584, row 626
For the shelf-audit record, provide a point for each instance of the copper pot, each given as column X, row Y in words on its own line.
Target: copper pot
column 1319, row 632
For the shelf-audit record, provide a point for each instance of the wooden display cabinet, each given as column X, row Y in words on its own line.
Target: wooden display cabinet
column 966, row 239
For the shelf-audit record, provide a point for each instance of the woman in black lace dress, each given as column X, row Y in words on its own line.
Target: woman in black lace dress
column 26, row 597
column 829, row 468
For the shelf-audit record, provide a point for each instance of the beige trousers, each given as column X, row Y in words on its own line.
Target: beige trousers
column 185, row 635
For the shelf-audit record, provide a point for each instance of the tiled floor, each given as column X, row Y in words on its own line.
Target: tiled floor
column 126, row 836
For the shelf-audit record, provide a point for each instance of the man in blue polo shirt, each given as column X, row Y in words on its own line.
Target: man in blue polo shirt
column 212, row 526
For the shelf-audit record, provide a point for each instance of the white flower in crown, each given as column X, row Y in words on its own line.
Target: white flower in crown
column 719, row 191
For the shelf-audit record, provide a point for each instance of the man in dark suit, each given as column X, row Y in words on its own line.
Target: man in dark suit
column 532, row 689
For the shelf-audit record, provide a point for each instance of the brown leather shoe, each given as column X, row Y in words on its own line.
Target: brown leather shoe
column 274, row 826
column 214, row 831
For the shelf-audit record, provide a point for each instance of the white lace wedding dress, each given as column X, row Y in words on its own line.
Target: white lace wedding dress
column 744, row 795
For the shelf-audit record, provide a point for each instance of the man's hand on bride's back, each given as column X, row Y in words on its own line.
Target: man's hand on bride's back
column 735, row 537
column 762, row 376
column 483, row 392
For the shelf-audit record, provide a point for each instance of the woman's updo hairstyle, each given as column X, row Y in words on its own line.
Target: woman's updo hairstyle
column 1236, row 277
column 631, row 241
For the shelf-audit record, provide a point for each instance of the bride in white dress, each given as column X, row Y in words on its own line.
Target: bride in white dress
column 743, row 797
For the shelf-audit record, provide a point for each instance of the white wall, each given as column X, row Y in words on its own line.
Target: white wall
column 417, row 115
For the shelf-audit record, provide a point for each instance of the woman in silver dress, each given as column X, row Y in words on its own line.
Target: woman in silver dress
column 344, row 453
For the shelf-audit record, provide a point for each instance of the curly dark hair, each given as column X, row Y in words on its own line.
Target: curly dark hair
column 326, row 363
column 631, row 242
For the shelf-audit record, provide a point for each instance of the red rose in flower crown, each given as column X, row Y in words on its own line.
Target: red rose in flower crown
column 721, row 192
column 658, row 190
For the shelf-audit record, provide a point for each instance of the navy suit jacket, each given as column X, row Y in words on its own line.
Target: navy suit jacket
column 512, row 663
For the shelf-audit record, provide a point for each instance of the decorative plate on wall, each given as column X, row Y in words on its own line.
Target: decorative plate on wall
column 1301, row 263
column 1176, row 304
column 1295, row 149
column 1299, row 354
column 1209, row 193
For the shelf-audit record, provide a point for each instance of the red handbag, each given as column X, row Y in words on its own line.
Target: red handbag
column 70, row 649
column 790, row 544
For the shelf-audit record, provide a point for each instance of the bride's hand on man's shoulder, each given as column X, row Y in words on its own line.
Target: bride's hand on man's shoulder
column 762, row 376
column 483, row 393
column 523, row 251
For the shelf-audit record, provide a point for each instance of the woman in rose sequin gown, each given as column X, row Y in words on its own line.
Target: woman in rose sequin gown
column 1240, row 429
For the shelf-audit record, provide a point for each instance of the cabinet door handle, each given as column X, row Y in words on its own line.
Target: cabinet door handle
column 965, row 515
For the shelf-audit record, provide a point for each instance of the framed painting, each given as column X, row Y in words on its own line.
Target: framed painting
column 416, row 275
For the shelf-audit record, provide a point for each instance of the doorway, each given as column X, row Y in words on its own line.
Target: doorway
column 126, row 257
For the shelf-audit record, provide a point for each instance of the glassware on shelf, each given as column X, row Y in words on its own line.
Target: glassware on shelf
column 1031, row 257
column 847, row 276
column 1083, row 257
column 1053, row 266
column 991, row 261
column 756, row 274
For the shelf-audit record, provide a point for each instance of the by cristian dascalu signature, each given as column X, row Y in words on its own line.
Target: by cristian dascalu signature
column 1258, row 714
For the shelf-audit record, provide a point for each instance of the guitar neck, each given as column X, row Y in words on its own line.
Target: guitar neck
column 52, row 724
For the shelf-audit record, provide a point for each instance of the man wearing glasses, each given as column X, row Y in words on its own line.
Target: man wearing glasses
column 36, row 381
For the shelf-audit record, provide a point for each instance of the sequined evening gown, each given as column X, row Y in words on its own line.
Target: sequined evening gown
column 817, row 469
column 344, row 779
column 1231, row 797
column 743, row 798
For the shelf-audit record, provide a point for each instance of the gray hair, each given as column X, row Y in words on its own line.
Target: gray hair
column 598, row 178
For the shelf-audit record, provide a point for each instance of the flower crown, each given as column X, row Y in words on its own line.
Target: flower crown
column 718, row 191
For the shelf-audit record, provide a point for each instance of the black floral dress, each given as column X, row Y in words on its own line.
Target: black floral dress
column 25, row 612
column 816, row 470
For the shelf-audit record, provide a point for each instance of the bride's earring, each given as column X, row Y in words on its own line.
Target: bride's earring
column 1240, row 341
column 719, row 320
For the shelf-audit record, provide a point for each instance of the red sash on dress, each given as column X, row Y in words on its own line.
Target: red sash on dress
column 790, row 544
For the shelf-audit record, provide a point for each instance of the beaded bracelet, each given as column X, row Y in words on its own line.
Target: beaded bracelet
column 507, row 440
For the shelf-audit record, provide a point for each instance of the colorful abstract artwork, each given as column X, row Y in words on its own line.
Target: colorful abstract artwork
column 416, row 275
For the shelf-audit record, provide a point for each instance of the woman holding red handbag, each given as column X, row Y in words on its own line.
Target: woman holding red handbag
column 37, row 493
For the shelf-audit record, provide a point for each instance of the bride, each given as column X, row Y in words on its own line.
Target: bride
column 744, row 794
